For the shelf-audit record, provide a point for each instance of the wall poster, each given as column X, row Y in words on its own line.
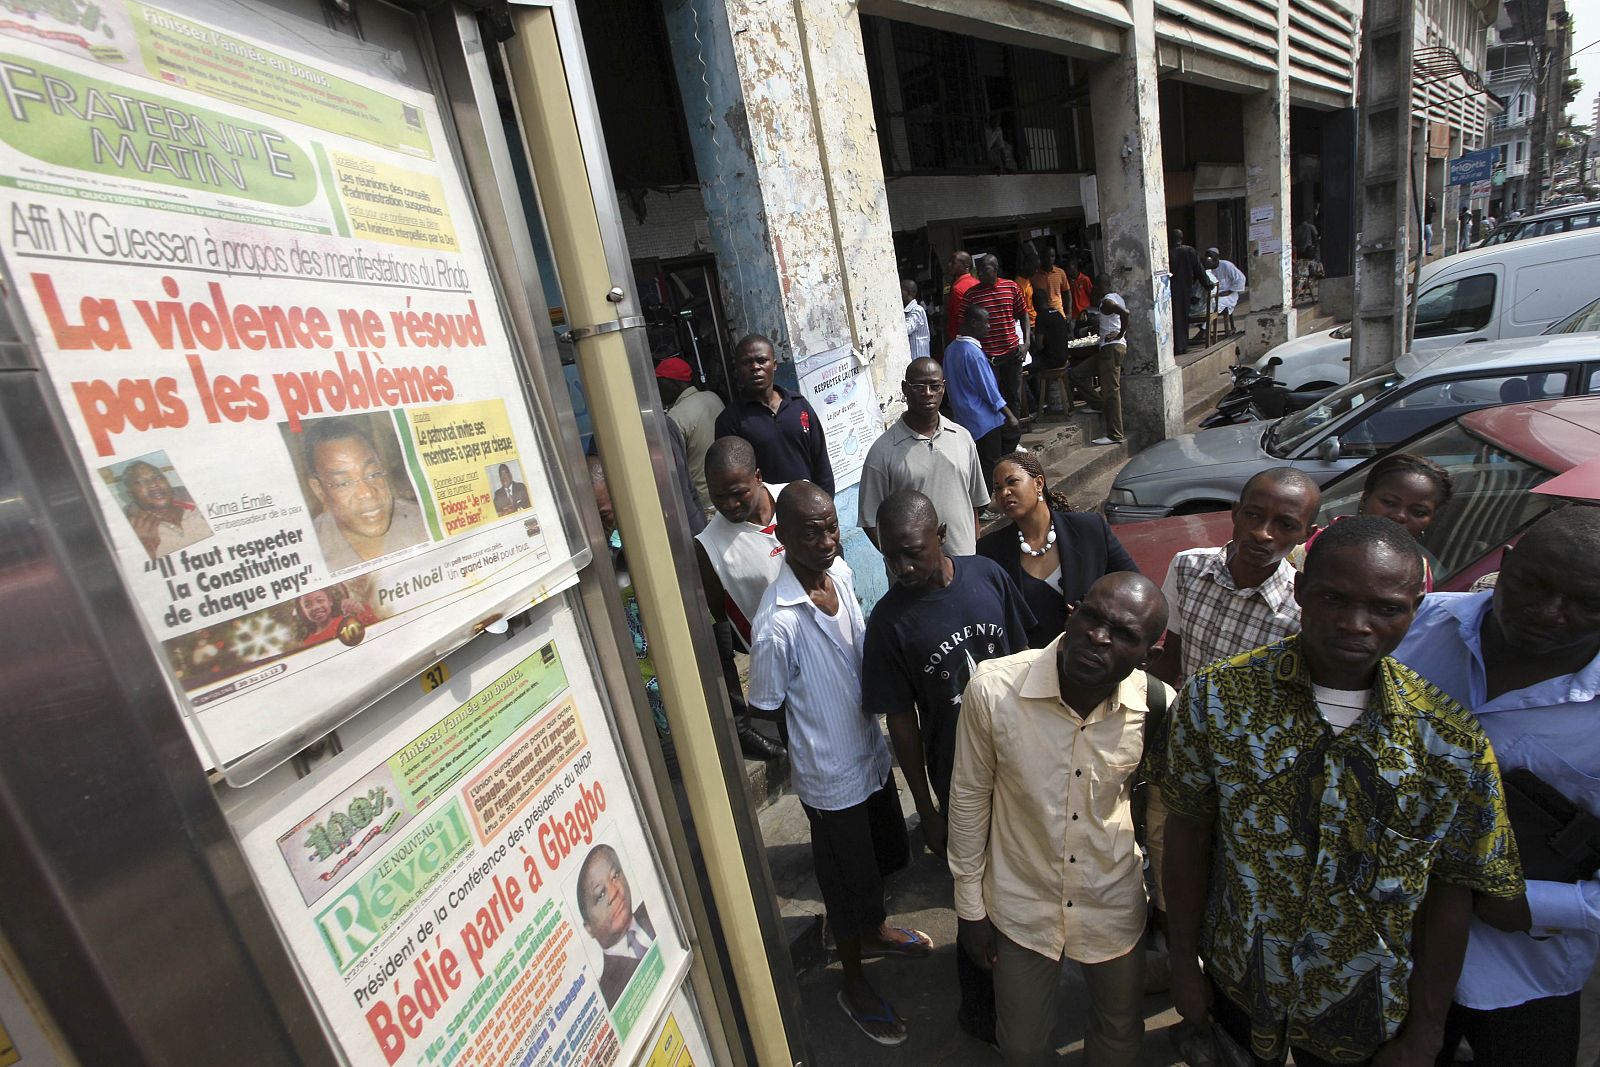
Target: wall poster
column 255, row 278
column 838, row 384
column 471, row 883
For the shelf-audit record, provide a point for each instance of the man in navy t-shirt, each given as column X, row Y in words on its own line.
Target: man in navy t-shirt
column 927, row 635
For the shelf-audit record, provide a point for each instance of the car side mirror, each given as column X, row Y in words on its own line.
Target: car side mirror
column 1328, row 449
column 1275, row 361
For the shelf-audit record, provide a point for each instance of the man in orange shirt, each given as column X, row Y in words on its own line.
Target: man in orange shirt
column 1024, row 280
column 1050, row 277
column 962, row 279
column 1081, row 288
column 1050, row 285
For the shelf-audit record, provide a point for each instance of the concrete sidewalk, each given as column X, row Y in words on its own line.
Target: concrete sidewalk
column 923, row 991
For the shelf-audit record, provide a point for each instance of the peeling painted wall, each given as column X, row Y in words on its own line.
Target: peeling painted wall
column 848, row 136
column 708, row 82
column 780, row 119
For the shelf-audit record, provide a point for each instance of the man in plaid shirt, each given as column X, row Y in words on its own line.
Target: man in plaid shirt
column 1222, row 601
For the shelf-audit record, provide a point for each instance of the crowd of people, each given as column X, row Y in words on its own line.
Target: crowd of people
column 1286, row 760
column 1005, row 337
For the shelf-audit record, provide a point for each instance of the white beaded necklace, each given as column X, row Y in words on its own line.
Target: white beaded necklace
column 1049, row 542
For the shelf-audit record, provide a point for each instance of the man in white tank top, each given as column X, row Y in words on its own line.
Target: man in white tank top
column 739, row 556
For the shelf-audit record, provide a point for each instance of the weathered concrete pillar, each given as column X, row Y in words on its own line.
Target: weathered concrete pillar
column 1133, row 217
column 852, row 168
column 780, row 117
column 1454, row 196
column 1267, row 189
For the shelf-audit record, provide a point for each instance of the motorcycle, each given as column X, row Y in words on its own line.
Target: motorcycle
column 1255, row 397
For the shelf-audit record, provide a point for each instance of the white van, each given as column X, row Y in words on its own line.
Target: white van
column 1485, row 294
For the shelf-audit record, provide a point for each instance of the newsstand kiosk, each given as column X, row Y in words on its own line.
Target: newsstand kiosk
column 323, row 738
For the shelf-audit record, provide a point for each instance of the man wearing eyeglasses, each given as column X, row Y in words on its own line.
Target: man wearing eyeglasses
column 929, row 453
column 361, row 517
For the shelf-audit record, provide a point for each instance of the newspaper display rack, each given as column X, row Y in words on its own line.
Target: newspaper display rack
column 314, row 641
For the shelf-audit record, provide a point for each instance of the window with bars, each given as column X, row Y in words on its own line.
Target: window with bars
column 947, row 103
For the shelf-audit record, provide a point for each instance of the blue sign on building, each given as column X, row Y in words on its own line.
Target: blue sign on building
column 1473, row 166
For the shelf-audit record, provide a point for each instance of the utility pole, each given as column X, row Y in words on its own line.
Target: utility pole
column 1385, row 216
column 1551, row 101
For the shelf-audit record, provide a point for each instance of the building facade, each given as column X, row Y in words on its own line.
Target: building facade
column 820, row 151
column 1452, row 106
column 1512, row 79
column 1528, row 70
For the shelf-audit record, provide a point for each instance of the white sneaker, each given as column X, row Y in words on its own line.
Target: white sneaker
column 1102, row 441
column 1022, row 448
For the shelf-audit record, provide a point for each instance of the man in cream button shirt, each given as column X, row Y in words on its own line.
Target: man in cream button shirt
column 1041, row 824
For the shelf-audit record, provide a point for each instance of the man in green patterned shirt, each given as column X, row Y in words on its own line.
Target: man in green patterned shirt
column 1331, row 815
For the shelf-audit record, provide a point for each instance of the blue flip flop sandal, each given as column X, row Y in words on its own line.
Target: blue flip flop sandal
column 886, row 1015
column 919, row 945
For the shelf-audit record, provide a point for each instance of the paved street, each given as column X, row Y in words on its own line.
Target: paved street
column 923, row 991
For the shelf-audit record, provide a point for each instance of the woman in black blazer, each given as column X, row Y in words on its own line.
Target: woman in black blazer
column 1054, row 555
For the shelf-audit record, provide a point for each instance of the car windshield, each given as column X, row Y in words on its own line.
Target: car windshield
column 1286, row 436
column 1491, row 500
column 1584, row 320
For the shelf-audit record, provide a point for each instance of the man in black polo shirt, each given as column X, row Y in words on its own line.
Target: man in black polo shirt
column 942, row 618
column 780, row 425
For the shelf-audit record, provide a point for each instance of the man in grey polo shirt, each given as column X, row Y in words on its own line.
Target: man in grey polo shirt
column 927, row 452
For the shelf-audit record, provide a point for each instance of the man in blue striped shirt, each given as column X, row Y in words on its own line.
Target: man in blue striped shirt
column 805, row 658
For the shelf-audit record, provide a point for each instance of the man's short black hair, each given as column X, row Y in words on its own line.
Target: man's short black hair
column 1285, row 476
column 796, row 497
column 906, row 509
column 1573, row 533
column 338, row 428
column 730, row 455
column 1362, row 531
column 969, row 320
column 750, row 339
column 1146, row 592
column 924, row 363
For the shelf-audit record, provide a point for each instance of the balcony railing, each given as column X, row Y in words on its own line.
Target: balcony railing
column 1506, row 74
column 1510, row 122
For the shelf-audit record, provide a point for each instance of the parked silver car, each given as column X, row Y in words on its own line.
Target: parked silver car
column 1558, row 218
column 1204, row 471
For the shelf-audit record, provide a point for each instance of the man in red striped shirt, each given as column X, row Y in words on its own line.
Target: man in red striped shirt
column 1009, row 328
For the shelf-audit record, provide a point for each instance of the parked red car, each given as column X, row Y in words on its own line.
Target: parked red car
column 1510, row 465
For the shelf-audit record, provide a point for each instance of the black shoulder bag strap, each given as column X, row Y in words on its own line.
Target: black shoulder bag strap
column 1155, row 719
